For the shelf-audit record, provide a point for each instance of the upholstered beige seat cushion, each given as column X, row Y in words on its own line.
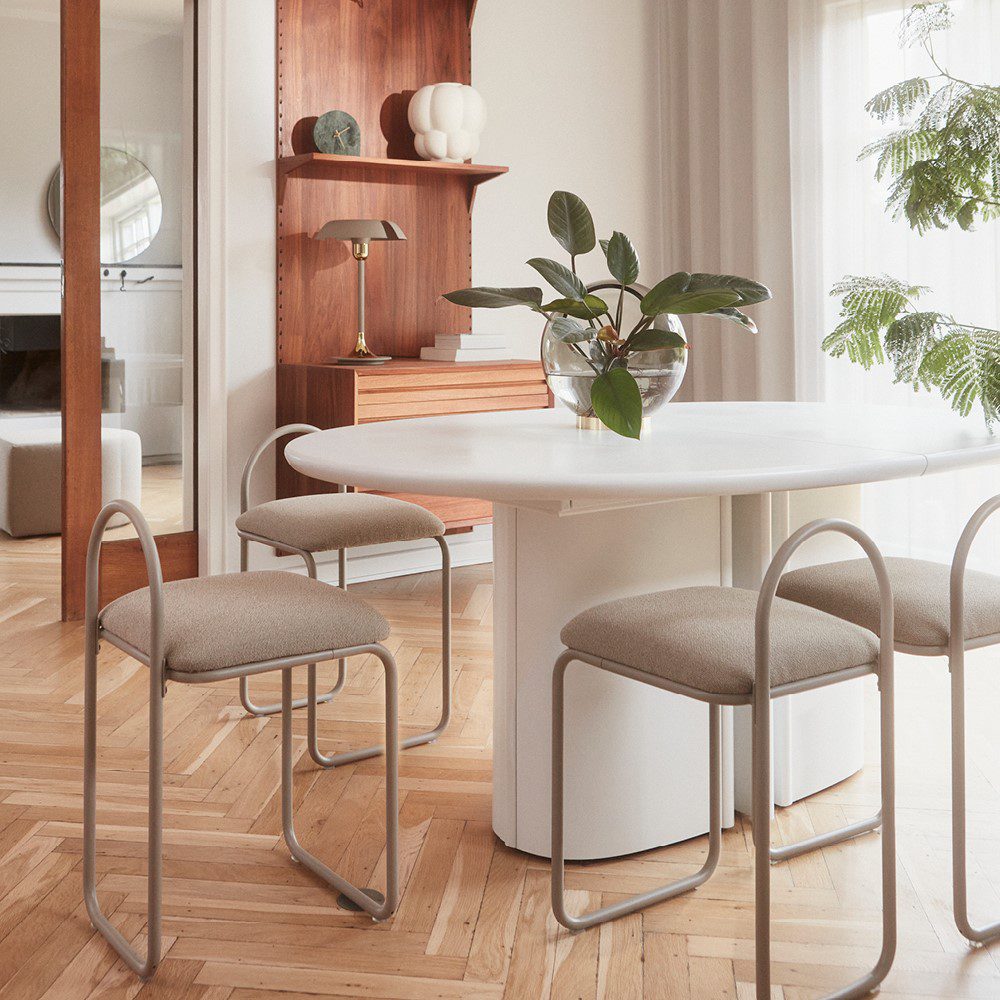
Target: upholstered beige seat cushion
column 703, row 637
column 921, row 597
column 339, row 521
column 216, row 622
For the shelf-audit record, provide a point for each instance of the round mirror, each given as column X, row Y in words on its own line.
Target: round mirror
column 131, row 208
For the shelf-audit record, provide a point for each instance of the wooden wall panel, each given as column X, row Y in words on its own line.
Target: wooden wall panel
column 317, row 296
column 368, row 60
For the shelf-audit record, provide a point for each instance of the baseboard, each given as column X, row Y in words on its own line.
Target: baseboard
column 381, row 562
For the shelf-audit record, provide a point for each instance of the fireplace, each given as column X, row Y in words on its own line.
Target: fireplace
column 30, row 373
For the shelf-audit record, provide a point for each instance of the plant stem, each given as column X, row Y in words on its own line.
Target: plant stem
column 579, row 350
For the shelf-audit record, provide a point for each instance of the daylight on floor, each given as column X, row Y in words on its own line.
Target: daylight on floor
column 499, row 501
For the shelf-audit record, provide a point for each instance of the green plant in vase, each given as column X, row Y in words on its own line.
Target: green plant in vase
column 623, row 358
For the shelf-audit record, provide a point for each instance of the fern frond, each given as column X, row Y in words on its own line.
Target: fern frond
column 922, row 20
column 868, row 307
column 898, row 151
column 908, row 340
column 965, row 367
column 898, row 102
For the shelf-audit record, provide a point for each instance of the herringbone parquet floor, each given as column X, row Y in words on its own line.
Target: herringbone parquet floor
column 244, row 923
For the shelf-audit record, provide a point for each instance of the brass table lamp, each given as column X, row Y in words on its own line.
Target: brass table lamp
column 361, row 232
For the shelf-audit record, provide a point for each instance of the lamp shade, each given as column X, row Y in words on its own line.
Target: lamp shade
column 360, row 230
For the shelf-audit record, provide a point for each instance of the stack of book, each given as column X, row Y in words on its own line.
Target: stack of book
column 466, row 347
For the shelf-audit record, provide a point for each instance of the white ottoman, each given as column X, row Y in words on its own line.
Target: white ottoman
column 31, row 475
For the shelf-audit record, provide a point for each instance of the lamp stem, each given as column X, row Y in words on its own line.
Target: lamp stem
column 361, row 299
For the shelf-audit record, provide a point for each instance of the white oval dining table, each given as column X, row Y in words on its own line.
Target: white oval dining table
column 584, row 516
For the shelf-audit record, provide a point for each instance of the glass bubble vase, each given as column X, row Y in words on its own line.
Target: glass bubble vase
column 570, row 369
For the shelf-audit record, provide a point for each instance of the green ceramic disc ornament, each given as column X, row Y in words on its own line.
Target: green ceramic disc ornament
column 337, row 132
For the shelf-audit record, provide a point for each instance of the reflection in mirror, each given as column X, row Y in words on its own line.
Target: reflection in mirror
column 131, row 206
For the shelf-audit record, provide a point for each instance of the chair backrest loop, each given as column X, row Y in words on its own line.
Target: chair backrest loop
column 154, row 573
column 956, row 634
column 252, row 461
column 773, row 576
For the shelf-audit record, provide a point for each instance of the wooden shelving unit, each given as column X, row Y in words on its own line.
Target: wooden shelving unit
column 369, row 60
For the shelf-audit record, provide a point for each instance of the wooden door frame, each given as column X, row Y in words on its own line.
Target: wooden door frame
column 80, row 142
column 122, row 564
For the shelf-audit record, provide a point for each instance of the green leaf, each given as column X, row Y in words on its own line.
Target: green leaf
column 907, row 342
column 570, row 331
column 560, row 277
column 898, row 102
column 496, row 298
column 869, row 306
column 654, row 340
column 617, row 402
column 750, row 292
column 671, row 285
column 571, row 223
column 664, row 299
column 967, row 363
column 728, row 312
column 623, row 261
column 924, row 19
column 590, row 308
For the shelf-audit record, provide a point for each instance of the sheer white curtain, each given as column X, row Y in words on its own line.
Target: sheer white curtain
column 726, row 163
column 764, row 118
column 858, row 55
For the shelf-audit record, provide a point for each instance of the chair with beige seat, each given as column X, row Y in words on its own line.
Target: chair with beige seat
column 940, row 611
column 216, row 629
column 728, row 646
column 339, row 521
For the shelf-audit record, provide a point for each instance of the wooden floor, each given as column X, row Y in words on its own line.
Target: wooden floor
column 244, row 923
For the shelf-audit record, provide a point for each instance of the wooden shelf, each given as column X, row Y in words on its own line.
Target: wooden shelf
column 329, row 165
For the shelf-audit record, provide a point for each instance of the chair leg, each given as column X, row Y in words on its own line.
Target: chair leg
column 869, row 982
column 959, row 833
column 352, row 756
column 379, row 910
column 143, row 966
column 638, row 902
column 849, row 832
column 260, row 711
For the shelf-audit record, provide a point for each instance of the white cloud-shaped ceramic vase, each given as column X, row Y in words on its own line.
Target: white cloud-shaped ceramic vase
column 447, row 120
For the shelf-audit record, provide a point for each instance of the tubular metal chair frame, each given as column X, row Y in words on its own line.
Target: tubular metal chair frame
column 955, row 651
column 312, row 699
column 760, row 700
column 159, row 675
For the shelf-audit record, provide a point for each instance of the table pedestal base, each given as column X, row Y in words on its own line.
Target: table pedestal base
column 636, row 758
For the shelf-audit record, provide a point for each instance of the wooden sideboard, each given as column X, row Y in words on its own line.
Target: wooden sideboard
column 338, row 396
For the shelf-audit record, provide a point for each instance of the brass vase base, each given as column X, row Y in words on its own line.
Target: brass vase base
column 594, row 424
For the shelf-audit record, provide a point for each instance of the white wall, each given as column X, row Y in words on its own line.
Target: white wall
column 248, row 144
column 586, row 121
column 583, row 116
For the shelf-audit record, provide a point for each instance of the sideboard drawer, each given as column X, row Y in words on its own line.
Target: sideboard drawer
column 337, row 396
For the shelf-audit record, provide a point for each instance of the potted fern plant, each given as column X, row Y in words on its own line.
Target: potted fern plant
column 942, row 160
column 615, row 350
